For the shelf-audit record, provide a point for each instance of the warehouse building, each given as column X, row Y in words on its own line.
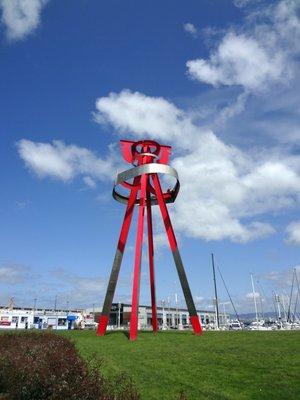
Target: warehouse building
column 42, row 318
column 38, row 318
column 168, row 317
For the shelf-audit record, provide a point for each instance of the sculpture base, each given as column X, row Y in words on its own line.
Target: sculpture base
column 196, row 324
column 103, row 321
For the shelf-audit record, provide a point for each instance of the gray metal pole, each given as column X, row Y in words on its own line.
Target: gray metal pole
column 216, row 293
column 291, row 296
column 254, row 299
column 55, row 303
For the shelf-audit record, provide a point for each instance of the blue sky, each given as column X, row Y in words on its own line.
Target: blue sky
column 217, row 80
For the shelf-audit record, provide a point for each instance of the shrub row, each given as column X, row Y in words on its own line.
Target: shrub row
column 35, row 366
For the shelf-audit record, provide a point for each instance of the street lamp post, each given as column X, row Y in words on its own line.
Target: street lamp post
column 119, row 315
column 176, row 318
column 163, row 315
column 169, row 306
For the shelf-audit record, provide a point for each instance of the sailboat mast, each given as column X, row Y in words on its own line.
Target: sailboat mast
column 216, row 293
column 226, row 288
column 261, row 299
column 291, row 296
column 254, row 298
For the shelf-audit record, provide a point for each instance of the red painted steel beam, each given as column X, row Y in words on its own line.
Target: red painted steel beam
column 195, row 322
column 104, row 318
column 137, row 262
column 151, row 262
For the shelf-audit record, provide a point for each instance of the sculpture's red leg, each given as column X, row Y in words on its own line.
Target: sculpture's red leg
column 103, row 321
column 176, row 255
column 151, row 264
column 137, row 262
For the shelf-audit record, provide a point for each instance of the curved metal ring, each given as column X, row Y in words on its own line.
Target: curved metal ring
column 151, row 168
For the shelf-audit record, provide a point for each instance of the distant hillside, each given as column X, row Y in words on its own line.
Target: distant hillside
column 251, row 316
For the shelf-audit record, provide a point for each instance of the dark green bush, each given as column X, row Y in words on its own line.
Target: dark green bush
column 35, row 366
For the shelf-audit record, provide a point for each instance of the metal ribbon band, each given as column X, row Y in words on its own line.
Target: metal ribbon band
column 151, row 168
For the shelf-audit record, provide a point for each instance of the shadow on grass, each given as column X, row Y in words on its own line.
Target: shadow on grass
column 126, row 333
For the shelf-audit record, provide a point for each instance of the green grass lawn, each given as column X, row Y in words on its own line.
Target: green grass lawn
column 218, row 365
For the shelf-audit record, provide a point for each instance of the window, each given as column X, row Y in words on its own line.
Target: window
column 24, row 320
column 169, row 319
column 51, row 321
column 62, row 321
column 15, row 320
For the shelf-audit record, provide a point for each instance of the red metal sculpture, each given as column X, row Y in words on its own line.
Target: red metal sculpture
column 149, row 159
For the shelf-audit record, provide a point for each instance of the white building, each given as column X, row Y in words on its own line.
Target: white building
column 168, row 317
column 28, row 318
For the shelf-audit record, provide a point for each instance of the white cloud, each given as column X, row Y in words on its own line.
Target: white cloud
column 223, row 189
column 282, row 278
column 21, row 17
column 272, row 116
column 81, row 291
column 144, row 116
column 104, row 197
column 83, row 284
column 89, row 182
column 160, row 239
column 252, row 295
column 198, row 299
column 239, row 60
column 244, row 3
column 293, row 231
column 13, row 274
column 261, row 53
column 190, row 28
column 22, row 204
column 65, row 162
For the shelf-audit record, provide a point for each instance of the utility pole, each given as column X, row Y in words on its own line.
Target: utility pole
column 163, row 313
column 216, row 293
column 55, row 309
column 176, row 302
column 119, row 315
column 11, row 303
column 55, row 302
column 34, row 306
column 170, row 319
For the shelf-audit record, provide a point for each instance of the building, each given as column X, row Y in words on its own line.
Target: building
column 43, row 318
column 29, row 318
column 168, row 317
